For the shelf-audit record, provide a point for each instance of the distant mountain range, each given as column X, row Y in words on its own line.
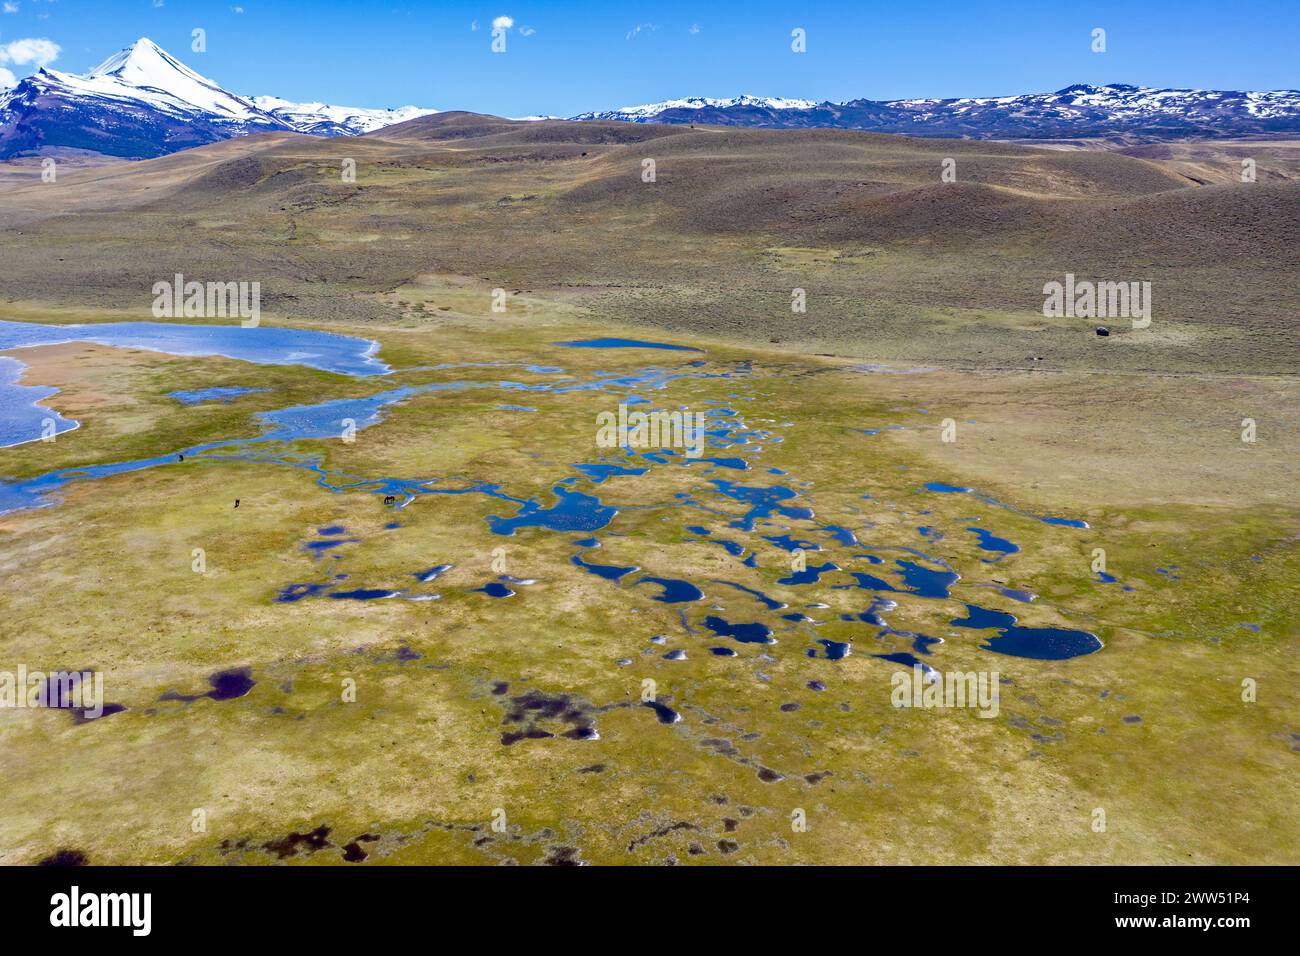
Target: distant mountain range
column 322, row 119
column 143, row 102
column 1075, row 112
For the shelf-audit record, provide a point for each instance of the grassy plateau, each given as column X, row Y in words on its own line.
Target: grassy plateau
column 480, row 730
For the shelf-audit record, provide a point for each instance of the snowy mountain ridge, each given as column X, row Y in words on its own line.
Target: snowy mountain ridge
column 1082, row 110
column 143, row 102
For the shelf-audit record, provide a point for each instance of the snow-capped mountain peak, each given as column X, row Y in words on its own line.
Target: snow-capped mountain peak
column 143, row 102
column 144, row 63
column 145, row 67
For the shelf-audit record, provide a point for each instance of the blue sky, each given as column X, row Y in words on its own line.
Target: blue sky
column 564, row 58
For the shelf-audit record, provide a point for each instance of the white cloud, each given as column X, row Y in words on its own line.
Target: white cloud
column 473, row 25
column 237, row 9
column 503, row 23
column 159, row 3
column 7, row 79
column 642, row 28
column 10, row 6
column 40, row 52
column 526, row 31
column 694, row 28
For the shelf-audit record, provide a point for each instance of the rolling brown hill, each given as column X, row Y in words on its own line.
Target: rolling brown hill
column 896, row 263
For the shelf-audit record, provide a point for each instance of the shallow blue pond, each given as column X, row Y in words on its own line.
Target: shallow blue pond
column 609, row 572
column 762, row 501
column 991, row 542
column 616, row 343
column 831, row 650
column 22, row 417
column 263, row 345
column 810, row 575
column 674, row 591
column 1039, row 643
column 573, row 511
column 745, row 633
